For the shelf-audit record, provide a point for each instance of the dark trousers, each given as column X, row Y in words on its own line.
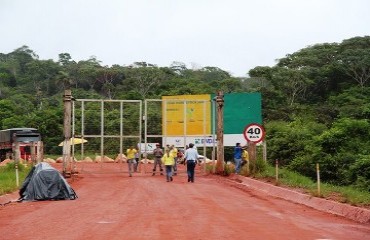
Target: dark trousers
column 157, row 161
column 190, row 165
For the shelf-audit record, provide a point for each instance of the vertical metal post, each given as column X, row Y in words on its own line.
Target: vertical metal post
column 145, row 117
column 121, row 134
column 67, row 99
column 184, row 127
column 204, row 135
column 164, row 115
column 73, row 168
column 82, row 128
column 140, row 135
column 16, row 158
column 277, row 171
column 318, row 179
column 264, row 151
column 185, row 123
column 102, row 133
column 214, row 133
column 220, row 132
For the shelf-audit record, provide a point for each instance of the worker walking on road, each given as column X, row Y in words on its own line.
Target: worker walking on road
column 131, row 159
column 168, row 162
column 158, row 154
column 191, row 156
column 173, row 152
column 137, row 158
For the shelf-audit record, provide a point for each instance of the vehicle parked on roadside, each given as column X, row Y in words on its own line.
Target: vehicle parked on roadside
column 24, row 136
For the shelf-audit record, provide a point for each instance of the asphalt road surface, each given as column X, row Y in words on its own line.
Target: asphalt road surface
column 112, row 205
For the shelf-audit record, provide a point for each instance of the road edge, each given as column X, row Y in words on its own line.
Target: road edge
column 357, row 214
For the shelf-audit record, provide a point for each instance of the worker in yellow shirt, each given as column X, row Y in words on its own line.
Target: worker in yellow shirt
column 131, row 159
column 168, row 161
column 245, row 157
column 173, row 152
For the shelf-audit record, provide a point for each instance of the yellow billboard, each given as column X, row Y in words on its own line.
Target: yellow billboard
column 186, row 115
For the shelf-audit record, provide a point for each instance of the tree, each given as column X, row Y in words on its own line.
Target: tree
column 179, row 68
column 6, row 111
column 65, row 59
column 292, row 82
column 144, row 78
column 18, row 59
column 65, row 79
column 42, row 74
column 109, row 78
column 352, row 103
column 230, row 85
column 319, row 64
column 354, row 59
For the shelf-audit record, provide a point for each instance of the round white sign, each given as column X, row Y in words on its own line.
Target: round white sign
column 254, row 132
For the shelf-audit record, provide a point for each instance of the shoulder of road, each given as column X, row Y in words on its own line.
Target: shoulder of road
column 357, row 214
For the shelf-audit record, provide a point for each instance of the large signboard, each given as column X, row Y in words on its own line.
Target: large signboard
column 240, row 110
column 198, row 121
column 190, row 115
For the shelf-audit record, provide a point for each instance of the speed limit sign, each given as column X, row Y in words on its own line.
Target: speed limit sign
column 254, row 132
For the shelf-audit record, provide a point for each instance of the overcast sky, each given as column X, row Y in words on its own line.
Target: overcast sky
column 234, row 35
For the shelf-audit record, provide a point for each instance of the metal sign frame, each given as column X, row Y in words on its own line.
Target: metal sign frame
column 102, row 134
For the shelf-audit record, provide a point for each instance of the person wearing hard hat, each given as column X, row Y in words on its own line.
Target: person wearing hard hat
column 158, row 154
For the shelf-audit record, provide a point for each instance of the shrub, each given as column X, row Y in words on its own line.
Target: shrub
column 360, row 173
column 229, row 169
column 8, row 177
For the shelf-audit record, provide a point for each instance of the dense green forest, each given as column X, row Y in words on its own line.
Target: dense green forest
column 316, row 101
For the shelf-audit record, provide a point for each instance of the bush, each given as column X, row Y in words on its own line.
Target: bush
column 229, row 169
column 11, row 167
column 254, row 167
column 360, row 173
column 290, row 140
column 8, row 178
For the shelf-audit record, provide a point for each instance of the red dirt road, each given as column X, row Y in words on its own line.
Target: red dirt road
column 115, row 206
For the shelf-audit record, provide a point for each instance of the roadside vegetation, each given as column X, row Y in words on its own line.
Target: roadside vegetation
column 297, row 182
column 8, row 183
column 286, row 177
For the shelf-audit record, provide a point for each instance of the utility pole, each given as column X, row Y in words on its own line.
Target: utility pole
column 220, row 132
column 67, row 100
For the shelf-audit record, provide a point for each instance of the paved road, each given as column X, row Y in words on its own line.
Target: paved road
column 115, row 206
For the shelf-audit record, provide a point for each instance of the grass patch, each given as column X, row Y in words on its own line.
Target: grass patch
column 8, row 183
column 286, row 178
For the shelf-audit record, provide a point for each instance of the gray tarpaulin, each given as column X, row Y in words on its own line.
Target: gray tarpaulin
column 45, row 183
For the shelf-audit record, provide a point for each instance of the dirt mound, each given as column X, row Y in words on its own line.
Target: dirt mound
column 121, row 158
column 6, row 161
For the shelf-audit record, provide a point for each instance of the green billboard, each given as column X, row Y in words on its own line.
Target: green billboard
column 241, row 109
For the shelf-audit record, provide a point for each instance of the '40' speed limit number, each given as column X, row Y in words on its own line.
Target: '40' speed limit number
column 254, row 132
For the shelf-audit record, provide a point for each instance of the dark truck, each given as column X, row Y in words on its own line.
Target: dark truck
column 24, row 136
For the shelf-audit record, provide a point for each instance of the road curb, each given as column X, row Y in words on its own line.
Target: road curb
column 357, row 214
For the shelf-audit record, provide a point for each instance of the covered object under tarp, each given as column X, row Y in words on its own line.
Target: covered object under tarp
column 45, row 183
